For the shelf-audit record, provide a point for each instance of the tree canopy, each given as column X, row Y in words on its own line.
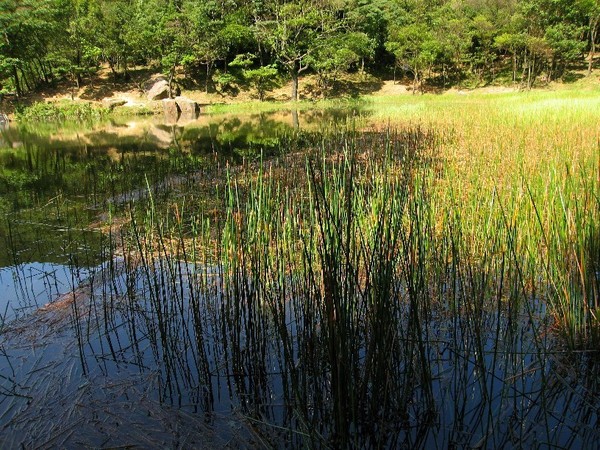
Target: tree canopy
column 425, row 41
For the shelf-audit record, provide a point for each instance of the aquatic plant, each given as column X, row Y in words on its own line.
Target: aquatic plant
column 334, row 287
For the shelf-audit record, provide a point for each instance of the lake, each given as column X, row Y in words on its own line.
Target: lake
column 292, row 279
column 59, row 184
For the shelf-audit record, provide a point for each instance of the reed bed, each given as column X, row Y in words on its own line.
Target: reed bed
column 344, row 301
column 428, row 283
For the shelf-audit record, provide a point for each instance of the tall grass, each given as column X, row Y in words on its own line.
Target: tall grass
column 64, row 111
column 347, row 300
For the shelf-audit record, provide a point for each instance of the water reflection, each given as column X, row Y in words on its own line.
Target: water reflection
column 26, row 287
column 166, row 339
column 151, row 133
column 58, row 181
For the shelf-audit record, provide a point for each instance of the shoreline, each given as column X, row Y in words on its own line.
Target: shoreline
column 130, row 99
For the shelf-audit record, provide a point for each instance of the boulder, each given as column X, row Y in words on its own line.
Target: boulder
column 189, row 108
column 112, row 103
column 159, row 90
column 171, row 109
column 147, row 85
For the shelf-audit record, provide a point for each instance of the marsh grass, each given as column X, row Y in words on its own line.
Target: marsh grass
column 61, row 111
column 430, row 282
column 356, row 299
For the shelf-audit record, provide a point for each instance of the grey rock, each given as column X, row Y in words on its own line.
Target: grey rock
column 189, row 108
column 159, row 91
column 148, row 84
column 171, row 110
column 112, row 103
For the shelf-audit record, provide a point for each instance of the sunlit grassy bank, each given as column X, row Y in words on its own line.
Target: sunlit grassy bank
column 535, row 155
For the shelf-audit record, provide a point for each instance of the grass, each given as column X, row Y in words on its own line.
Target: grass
column 347, row 273
column 272, row 106
column 426, row 279
column 60, row 112
column 537, row 153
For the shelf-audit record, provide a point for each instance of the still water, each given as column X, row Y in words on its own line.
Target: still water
column 60, row 185
column 98, row 351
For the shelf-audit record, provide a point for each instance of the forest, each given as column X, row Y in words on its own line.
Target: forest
column 213, row 42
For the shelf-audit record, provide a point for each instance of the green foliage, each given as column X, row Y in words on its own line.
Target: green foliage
column 56, row 112
column 43, row 40
column 262, row 78
column 415, row 50
column 293, row 32
column 338, row 54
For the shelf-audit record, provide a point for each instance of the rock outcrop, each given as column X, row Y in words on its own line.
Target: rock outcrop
column 172, row 110
column 189, row 109
column 156, row 88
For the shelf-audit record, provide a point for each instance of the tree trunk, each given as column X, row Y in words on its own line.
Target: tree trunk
column 171, row 76
column 126, row 75
column 43, row 71
column 593, row 33
column 24, row 78
column 295, row 83
column 523, row 69
column 111, row 65
column 78, row 75
column 531, row 75
column 17, row 82
column 35, row 74
column 208, row 72
column 260, row 55
column 444, row 76
column 415, row 81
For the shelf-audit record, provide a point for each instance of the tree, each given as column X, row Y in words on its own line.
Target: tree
column 337, row 54
column 415, row 50
column 561, row 24
column 481, row 51
column 591, row 9
column 114, row 41
column 177, row 45
column 362, row 46
column 565, row 47
column 454, row 41
column 514, row 44
column 216, row 30
column 371, row 18
column 292, row 32
column 27, row 29
column 77, row 53
column 261, row 78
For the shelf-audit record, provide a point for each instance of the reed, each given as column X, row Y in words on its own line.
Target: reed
column 355, row 298
column 429, row 281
